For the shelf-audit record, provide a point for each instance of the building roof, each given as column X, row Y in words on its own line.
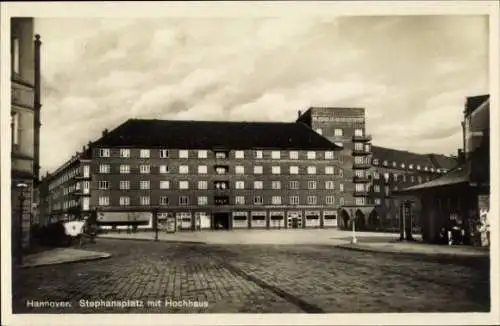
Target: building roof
column 214, row 134
column 473, row 102
column 443, row 162
column 458, row 175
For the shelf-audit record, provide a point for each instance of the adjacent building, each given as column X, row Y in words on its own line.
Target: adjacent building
column 25, row 127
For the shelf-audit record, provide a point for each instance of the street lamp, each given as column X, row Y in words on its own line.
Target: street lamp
column 354, row 240
column 21, row 187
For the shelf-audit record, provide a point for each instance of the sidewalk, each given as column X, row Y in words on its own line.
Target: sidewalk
column 61, row 256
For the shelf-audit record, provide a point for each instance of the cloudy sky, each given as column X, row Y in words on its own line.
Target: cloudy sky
column 411, row 73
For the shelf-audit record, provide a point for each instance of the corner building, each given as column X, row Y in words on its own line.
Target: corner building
column 215, row 175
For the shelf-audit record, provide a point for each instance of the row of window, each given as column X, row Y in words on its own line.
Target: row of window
column 68, row 175
column 238, row 200
column 417, row 167
column 203, row 169
column 202, row 154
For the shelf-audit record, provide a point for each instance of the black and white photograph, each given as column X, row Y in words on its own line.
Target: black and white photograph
column 286, row 160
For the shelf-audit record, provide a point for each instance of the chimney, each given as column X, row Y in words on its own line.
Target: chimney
column 104, row 132
column 299, row 114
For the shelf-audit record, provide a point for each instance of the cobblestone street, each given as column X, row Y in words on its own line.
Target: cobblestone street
column 255, row 279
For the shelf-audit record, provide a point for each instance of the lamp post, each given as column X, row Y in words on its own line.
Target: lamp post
column 354, row 240
column 21, row 187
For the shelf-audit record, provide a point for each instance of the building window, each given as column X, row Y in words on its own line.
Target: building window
column 144, row 169
column 184, row 169
column 144, row 184
column 163, row 153
column 386, row 176
column 311, row 200
column 124, row 152
column 418, row 167
column 419, row 179
column 294, row 185
column 330, row 185
column 257, row 185
column 239, row 200
column 341, row 173
column 183, row 185
column 394, row 164
column 384, row 163
column 410, row 166
column 202, row 169
column 259, row 154
column 104, row 152
column 359, row 187
column 311, row 170
column 294, row 155
column 377, row 201
column 276, row 185
column 376, row 188
column 202, row 153
column 311, row 155
column 330, row 155
column 221, row 169
column 359, row 201
column 202, row 200
column 202, row 184
column 330, row 200
column 124, row 185
column 402, row 165
column 183, row 200
column 276, row 170
column 163, row 200
column 375, row 161
column 294, row 170
column 183, row 153
column 329, row 170
column 103, row 201
column 341, row 201
column 15, row 128
column 338, row 132
column 239, row 154
column 144, row 200
column 164, row 184
column 376, row 175
column 358, row 146
column 294, row 200
column 359, row 160
column 341, row 187
column 124, row 169
column 144, row 153
column 163, row 169
column 15, row 55
column 124, row 201
column 258, row 200
column 311, row 185
column 104, row 168
column 103, row 185
column 239, row 184
column 258, row 169
column 276, row 200
column 386, row 188
column 275, row 155
column 239, row 169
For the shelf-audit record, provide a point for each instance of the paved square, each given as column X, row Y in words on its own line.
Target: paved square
column 193, row 278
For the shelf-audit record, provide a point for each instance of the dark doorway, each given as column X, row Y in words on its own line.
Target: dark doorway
column 221, row 221
column 345, row 219
column 360, row 220
column 373, row 221
column 295, row 223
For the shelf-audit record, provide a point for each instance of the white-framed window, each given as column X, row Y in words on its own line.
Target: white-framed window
column 239, row 200
column 202, row 169
column 103, row 201
column 359, row 187
column 184, row 184
column 294, row 155
column 144, row 200
column 330, row 200
column 239, row 154
column 104, row 168
column 276, row 170
column 378, row 201
column 341, row 201
column 312, row 200
column 104, row 152
column 144, row 169
column 329, row 155
column 294, row 200
column 144, row 153
column 376, row 188
column 329, row 170
column 410, row 166
column 183, row 153
column 163, row 169
column 259, row 154
column 311, row 170
column 384, row 163
column 103, row 185
column 375, row 161
column 183, row 169
column 203, row 184
column 293, row 185
column 275, row 155
column 330, row 185
column 144, row 184
column 183, row 200
column 276, row 200
column 125, row 152
column 276, row 185
column 341, row 172
column 164, row 184
column 359, row 201
column 202, row 153
column 294, row 170
column 221, row 169
column 124, row 169
column 202, row 200
column 359, row 160
column 311, row 155
column 124, row 185
column 258, row 200
column 239, row 169
column 124, row 201
column 258, row 169
column 258, row 185
column 341, row 187
column 239, row 185
column 163, row 200
column 338, row 132
column 163, row 153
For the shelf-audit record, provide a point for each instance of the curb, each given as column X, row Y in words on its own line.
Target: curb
column 103, row 256
column 153, row 240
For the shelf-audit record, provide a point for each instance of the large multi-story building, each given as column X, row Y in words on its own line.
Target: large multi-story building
column 25, row 127
column 206, row 175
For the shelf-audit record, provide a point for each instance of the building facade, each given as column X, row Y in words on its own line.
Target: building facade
column 25, row 127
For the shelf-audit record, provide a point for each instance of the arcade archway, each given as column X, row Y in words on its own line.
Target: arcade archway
column 374, row 220
column 360, row 220
column 345, row 218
